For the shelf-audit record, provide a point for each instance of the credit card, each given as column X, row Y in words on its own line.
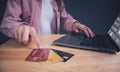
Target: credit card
column 53, row 58
column 65, row 55
column 37, row 55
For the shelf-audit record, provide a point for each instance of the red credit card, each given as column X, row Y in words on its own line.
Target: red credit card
column 38, row 55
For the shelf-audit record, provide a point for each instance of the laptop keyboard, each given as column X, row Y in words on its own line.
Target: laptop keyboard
column 99, row 41
column 80, row 40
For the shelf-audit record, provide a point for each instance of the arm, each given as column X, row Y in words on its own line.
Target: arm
column 13, row 26
column 71, row 24
column 11, row 17
column 66, row 18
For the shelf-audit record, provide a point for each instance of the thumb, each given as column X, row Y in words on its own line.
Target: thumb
column 75, row 30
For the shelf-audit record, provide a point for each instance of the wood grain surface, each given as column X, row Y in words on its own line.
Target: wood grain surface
column 13, row 54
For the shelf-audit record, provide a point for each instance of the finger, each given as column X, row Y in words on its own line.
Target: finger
column 83, row 28
column 30, row 38
column 90, row 32
column 25, row 36
column 35, row 37
column 75, row 30
column 37, row 41
column 19, row 34
column 15, row 35
column 15, row 32
column 86, row 32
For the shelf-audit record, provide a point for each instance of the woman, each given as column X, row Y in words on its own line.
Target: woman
column 24, row 19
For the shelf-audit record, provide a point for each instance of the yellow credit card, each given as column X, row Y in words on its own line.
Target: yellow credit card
column 52, row 58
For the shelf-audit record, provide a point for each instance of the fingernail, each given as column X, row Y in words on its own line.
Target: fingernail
column 76, row 30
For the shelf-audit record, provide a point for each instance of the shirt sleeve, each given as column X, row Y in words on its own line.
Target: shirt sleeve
column 66, row 18
column 11, row 17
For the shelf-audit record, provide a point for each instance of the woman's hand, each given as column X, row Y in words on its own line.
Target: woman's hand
column 77, row 26
column 25, row 34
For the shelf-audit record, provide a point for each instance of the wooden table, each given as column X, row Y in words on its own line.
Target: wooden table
column 13, row 54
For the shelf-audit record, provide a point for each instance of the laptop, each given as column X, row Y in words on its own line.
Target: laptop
column 109, row 42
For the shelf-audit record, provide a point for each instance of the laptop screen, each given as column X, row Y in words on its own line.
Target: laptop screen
column 114, row 31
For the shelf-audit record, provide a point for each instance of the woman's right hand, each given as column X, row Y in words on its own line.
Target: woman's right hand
column 25, row 34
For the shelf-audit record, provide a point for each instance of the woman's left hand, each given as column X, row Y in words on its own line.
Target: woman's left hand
column 77, row 26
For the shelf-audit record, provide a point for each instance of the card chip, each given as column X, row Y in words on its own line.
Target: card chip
column 65, row 57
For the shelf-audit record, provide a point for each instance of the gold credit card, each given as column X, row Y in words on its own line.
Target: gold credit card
column 52, row 58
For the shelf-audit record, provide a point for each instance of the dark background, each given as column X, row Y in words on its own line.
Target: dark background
column 3, row 38
column 2, row 8
column 99, row 15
